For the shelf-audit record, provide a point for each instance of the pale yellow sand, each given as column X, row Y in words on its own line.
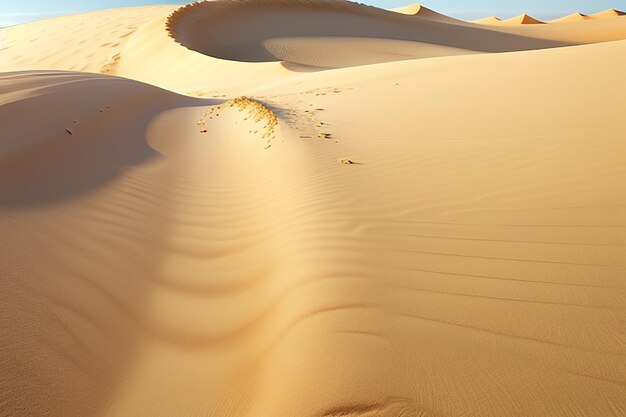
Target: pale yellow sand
column 489, row 20
column 417, row 9
column 574, row 17
column 610, row 13
column 434, row 236
column 524, row 19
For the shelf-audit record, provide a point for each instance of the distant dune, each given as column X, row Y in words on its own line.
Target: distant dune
column 525, row 19
column 522, row 19
column 490, row 20
column 312, row 208
column 574, row 17
column 417, row 9
column 606, row 14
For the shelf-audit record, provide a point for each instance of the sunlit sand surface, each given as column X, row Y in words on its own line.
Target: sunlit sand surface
column 312, row 208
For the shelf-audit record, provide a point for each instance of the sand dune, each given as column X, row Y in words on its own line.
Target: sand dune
column 84, row 42
column 148, row 46
column 610, row 13
column 273, row 31
column 522, row 19
column 310, row 236
column 490, row 20
column 574, row 17
column 417, row 9
column 573, row 33
column 67, row 317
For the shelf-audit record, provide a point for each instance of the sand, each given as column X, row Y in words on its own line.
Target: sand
column 525, row 19
column 281, row 229
column 522, row 19
column 574, row 17
column 420, row 10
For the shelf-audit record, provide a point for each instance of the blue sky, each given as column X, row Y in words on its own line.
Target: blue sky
column 18, row 11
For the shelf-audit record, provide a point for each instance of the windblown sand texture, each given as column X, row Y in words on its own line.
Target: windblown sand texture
column 312, row 208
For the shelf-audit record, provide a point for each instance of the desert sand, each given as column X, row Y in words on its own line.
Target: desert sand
column 573, row 17
column 312, row 208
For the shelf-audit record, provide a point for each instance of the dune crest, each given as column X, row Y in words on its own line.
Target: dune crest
column 328, row 33
column 574, row 17
column 417, row 9
column 525, row 19
column 490, row 20
column 607, row 14
column 522, row 19
column 372, row 36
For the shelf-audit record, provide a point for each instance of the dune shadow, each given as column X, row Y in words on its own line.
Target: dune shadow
column 74, row 280
column 242, row 30
column 295, row 67
column 67, row 160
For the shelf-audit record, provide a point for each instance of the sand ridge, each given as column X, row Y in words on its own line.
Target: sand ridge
column 522, row 19
column 607, row 14
column 181, row 70
column 525, row 19
column 489, row 20
column 574, row 17
column 419, row 10
column 365, row 32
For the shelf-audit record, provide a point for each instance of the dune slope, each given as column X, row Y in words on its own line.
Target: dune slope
column 607, row 14
column 417, row 9
column 89, row 42
column 573, row 17
column 426, row 237
column 67, row 318
column 337, row 35
column 254, row 31
column 522, row 19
